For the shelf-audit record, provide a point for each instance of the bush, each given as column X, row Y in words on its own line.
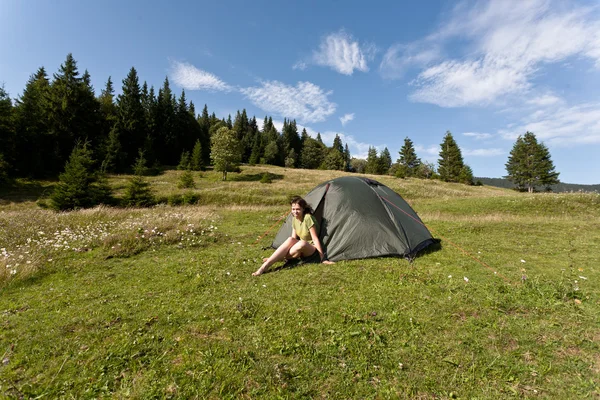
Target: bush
column 186, row 180
column 266, row 178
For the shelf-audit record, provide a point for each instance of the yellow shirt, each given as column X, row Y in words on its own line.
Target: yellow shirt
column 302, row 228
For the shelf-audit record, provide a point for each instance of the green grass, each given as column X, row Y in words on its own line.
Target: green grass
column 176, row 313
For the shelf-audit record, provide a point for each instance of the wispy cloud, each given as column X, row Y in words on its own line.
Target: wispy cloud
column 306, row 101
column 483, row 152
column 346, row 118
column 563, row 126
column 189, row 77
column 342, row 53
column 301, row 65
column 478, row 136
column 508, row 42
column 357, row 149
column 399, row 58
column 546, row 99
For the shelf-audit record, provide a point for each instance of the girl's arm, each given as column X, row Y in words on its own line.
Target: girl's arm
column 317, row 242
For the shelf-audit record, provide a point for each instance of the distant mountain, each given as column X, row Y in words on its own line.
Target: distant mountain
column 561, row 187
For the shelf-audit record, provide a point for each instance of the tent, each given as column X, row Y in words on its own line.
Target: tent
column 362, row 218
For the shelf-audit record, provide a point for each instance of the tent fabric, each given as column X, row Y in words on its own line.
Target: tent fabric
column 362, row 218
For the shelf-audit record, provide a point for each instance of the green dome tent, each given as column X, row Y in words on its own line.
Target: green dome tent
column 362, row 218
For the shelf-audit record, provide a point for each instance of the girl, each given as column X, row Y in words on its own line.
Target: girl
column 303, row 242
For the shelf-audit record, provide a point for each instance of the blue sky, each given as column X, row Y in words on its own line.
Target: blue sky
column 374, row 73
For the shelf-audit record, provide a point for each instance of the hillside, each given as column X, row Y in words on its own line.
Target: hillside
column 560, row 188
column 160, row 302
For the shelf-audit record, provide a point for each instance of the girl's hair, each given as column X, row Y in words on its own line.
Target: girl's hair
column 307, row 209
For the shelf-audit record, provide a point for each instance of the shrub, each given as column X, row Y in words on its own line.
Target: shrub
column 266, row 178
column 186, row 180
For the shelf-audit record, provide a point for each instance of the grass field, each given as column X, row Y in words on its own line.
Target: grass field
column 160, row 302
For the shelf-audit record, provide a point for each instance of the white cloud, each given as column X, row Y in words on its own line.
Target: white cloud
column 562, row 126
column 343, row 54
column 509, row 41
column 305, row 102
column 398, row 58
column 346, row 118
column 547, row 99
column 189, row 77
column 301, row 65
column 478, row 136
column 357, row 149
column 483, row 152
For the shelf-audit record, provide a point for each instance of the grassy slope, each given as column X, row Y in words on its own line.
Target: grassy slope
column 161, row 303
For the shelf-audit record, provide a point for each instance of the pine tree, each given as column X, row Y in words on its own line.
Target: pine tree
column 185, row 162
column 334, row 160
column 186, row 180
column 408, row 163
column 131, row 118
column 529, row 164
column 313, row 154
column 73, row 112
column 347, row 157
column 32, row 141
column 7, row 134
column 79, row 185
column 196, row 161
column 385, row 161
column 373, row 165
column 337, row 144
column 450, row 163
column 319, row 138
column 113, row 155
column 291, row 139
column 138, row 192
column 225, row 151
column 204, row 122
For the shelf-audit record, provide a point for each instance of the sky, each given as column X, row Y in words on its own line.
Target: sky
column 373, row 73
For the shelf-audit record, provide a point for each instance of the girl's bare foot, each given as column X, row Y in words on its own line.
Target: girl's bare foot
column 260, row 271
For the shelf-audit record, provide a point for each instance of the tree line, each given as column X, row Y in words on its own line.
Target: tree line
column 53, row 118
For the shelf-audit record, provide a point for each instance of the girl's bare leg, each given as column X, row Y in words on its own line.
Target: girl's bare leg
column 278, row 255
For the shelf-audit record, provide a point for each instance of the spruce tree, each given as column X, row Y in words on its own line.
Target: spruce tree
column 7, row 134
column 113, row 155
column 313, row 154
column 529, row 164
column 450, row 163
column 385, row 161
column 31, row 125
column 319, row 138
column 337, row 144
column 347, row 157
column 131, row 119
column 373, row 165
column 334, row 160
column 79, row 185
column 186, row 180
column 72, row 113
column 196, row 161
column 408, row 163
column 185, row 162
column 138, row 192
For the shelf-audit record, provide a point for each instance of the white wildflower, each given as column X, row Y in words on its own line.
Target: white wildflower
column 466, row 279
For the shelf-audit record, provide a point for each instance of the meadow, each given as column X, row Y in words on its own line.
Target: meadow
column 160, row 302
